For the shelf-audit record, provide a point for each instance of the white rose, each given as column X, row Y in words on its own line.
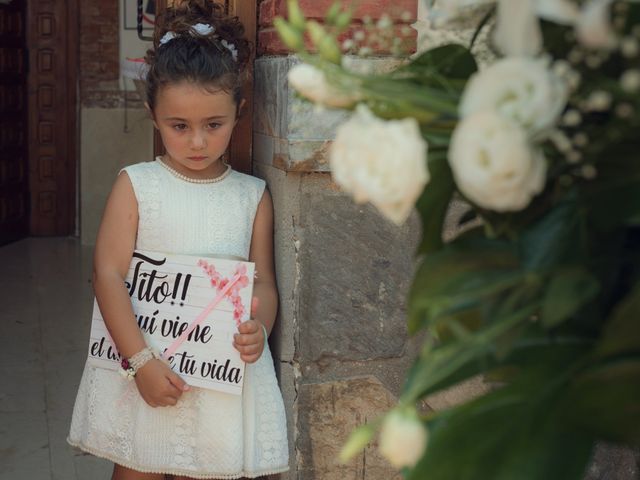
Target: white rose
column 403, row 438
column 311, row 83
column 383, row 162
column 524, row 90
column 493, row 163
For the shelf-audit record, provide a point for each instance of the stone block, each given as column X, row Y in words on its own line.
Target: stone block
column 614, row 462
column 355, row 275
column 290, row 133
column 328, row 412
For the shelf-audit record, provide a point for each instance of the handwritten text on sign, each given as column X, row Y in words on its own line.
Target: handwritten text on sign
column 167, row 293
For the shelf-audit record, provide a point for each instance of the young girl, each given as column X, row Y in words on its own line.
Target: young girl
column 186, row 202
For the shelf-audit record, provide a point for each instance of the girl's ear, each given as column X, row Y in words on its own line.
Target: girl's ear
column 153, row 118
column 241, row 105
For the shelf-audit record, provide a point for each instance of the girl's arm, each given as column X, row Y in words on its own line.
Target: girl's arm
column 116, row 240
column 250, row 340
column 114, row 249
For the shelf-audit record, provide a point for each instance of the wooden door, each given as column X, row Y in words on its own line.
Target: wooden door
column 14, row 180
column 241, row 141
column 240, row 149
column 52, row 132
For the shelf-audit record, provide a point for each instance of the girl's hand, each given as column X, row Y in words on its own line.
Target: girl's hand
column 250, row 339
column 158, row 385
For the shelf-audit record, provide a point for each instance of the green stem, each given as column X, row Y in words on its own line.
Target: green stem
column 481, row 25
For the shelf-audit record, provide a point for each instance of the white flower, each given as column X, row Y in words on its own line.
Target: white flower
column 599, row 101
column 493, row 163
column 629, row 47
column 311, row 83
column 232, row 49
column 403, row 438
column 203, row 29
column 167, row 37
column 383, row 162
column 593, row 28
column 522, row 89
column 630, row 81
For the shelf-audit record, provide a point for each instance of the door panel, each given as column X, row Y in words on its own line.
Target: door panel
column 52, row 136
column 14, row 182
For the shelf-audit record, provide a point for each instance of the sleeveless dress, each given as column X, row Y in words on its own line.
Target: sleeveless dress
column 208, row 434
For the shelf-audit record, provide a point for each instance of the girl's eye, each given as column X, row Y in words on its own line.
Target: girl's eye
column 214, row 125
column 180, row 126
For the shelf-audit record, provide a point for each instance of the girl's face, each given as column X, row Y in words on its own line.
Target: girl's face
column 195, row 126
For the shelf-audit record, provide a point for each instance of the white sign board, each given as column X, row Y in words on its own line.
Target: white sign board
column 168, row 293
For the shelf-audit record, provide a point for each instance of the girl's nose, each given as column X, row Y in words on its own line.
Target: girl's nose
column 198, row 141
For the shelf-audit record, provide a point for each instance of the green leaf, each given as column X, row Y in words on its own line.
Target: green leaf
column 568, row 291
column 436, row 367
column 517, row 432
column 434, row 202
column 459, row 277
column 622, row 332
column 453, row 62
column 606, row 400
column 554, row 239
column 615, row 197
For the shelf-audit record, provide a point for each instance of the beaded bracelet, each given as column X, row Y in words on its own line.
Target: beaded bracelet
column 130, row 366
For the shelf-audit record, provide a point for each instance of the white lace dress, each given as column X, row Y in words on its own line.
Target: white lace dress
column 207, row 434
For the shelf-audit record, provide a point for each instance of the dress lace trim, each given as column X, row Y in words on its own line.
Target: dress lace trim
column 177, row 471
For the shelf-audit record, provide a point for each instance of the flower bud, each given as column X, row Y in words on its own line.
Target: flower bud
column 403, row 438
column 327, row 46
column 330, row 50
column 316, row 32
column 332, row 13
column 295, row 15
column 311, row 83
column 291, row 37
column 343, row 20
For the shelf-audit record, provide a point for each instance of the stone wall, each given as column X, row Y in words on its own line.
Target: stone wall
column 340, row 341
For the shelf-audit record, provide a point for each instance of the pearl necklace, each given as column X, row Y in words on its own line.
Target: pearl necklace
column 179, row 175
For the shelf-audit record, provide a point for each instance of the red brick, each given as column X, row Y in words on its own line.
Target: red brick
column 99, row 46
column 316, row 9
column 267, row 11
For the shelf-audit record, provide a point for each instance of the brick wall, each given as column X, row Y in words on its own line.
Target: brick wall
column 99, row 57
column 401, row 12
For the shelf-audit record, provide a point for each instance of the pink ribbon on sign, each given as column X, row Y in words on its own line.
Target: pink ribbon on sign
column 200, row 318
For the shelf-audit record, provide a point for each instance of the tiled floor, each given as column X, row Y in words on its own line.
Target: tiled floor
column 45, row 311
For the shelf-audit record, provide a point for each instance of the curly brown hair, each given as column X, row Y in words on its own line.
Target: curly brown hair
column 201, row 59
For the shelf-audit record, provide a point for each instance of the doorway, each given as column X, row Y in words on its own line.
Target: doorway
column 38, row 118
